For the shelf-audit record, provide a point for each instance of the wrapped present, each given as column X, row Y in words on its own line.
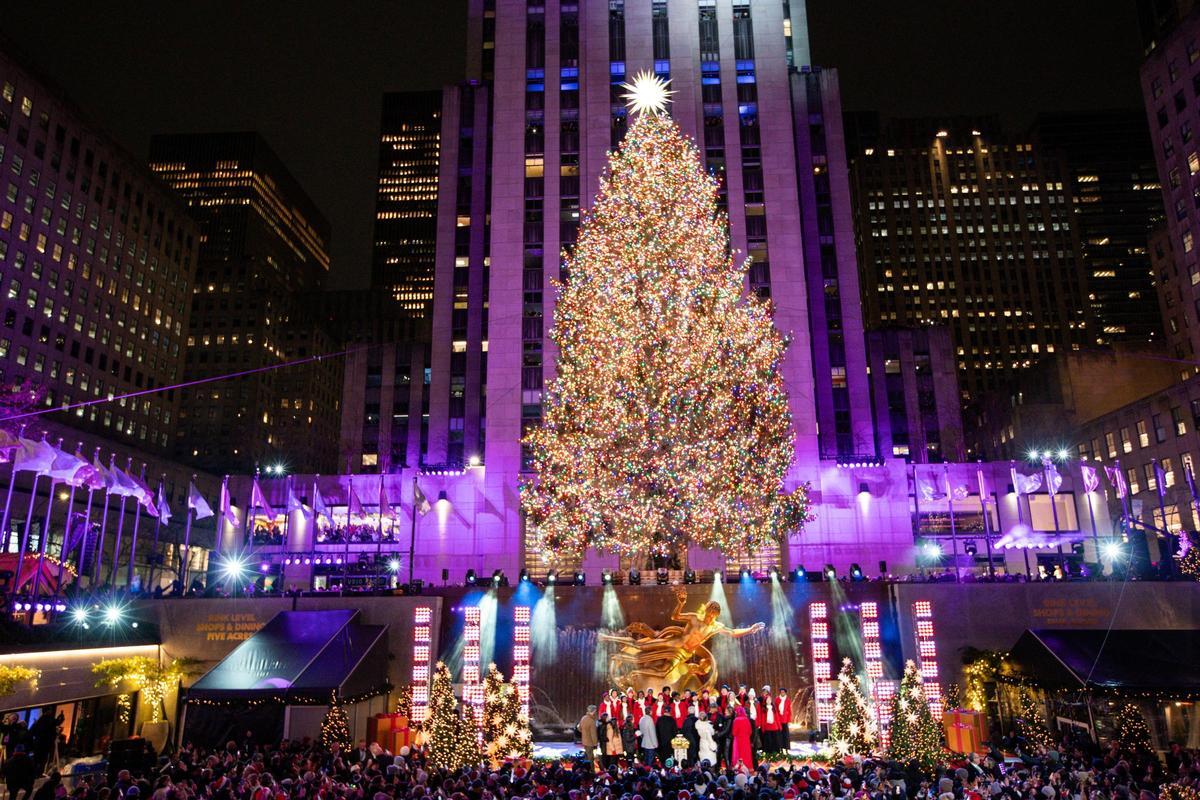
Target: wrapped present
column 380, row 727
column 976, row 720
column 404, row 737
column 964, row 731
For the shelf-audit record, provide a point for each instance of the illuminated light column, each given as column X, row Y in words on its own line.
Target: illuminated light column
column 927, row 650
column 422, row 640
column 472, row 685
column 882, row 691
column 872, row 650
column 818, row 623
column 521, row 643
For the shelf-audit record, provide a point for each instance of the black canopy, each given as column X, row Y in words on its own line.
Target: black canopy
column 300, row 658
column 1148, row 662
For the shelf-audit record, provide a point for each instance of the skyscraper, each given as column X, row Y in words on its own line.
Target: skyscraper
column 971, row 228
column 406, row 198
column 1117, row 204
column 262, row 243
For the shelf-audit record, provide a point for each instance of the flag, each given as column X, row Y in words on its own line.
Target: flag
column 319, row 507
column 1025, row 484
column 163, row 511
column 983, row 492
column 1091, row 481
column 259, row 501
column 98, row 477
column 118, row 482
column 228, row 515
column 293, row 502
column 355, row 505
column 34, row 456
column 1053, row 479
column 420, row 501
column 1161, row 475
column 68, row 468
column 1116, row 479
column 143, row 493
column 197, row 503
column 385, row 507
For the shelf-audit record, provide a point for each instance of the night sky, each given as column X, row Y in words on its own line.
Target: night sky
column 308, row 75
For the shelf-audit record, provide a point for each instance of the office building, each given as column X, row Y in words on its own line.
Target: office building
column 1117, row 204
column 406, row 199
column 262, row 244
column 964, row 226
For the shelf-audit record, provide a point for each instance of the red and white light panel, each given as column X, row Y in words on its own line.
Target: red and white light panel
column 872, row 650
column 521, row 641
column 927, row 650
column 471, row 679
column 422, row 641
column 818, row 625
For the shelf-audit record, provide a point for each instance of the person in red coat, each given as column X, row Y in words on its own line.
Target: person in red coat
column 679, row 710
column 743, row 749
column 785, row 716
column 768, row 721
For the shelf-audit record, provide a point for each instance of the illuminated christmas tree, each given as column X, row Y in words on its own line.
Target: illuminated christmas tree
column 1188, row 556
column 915, row 734
column 853, row 730
column 1031, row 725
column 1132, row 732
column 668, row 420
column 954, row 696
column 506, row 731
column 518, row 738
column 404, row 701
column 452, row 736
column 335, row 727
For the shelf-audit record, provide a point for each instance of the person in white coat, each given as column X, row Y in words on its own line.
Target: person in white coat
column 708, row 744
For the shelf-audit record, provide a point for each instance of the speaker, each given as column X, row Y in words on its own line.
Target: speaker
column 882, row 567
column 445, row 574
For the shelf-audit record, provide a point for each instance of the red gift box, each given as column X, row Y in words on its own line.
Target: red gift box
column 401, row 737
column 380, row 727
column 966, row 731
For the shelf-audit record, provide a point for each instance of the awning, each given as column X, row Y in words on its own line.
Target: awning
column 1158, row 663
column 301, row 658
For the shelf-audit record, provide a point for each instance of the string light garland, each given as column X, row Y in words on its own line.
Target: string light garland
column 981, row 667
column 11, row 675
column 853, row 731
column 1132, row 731
column 1030, row 724
column 146, row 675
column 914, row 733
column 453, row 740
column 335, row 727
column 668, row 420
column 1190, row 563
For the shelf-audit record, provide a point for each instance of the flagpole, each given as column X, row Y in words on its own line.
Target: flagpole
column 25, row 536
column 137, row 518
column 916, row 484
column 953, row 527
column 346, row 544
column 87, row 523
column 1012, row 470
column 379, row 522
column 157, row 527
column 1161, row 479
column 248, row 522
column 1062, row 560
column 62, row 550
column 98, row 558
column 316, row 521
column 41, row 562
column 1191, row 481
column 287, row 510
column 12, row 482
column 186, row 558
column 112, row 571
column 412, row 536
column 987, row 523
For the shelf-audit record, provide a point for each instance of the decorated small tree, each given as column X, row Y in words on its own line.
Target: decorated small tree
column 915, row 734
column 1031, row 725
column 516, row 730
column 1189, row 557
column 404, row 701
column 494, row 713
column 853, row 730
column 452, row 737
column 1132, row 732
column 954, row 696
column 335, row 727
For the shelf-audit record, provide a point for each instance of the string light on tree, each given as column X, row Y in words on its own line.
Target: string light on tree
column 914, row 733
column 853, row 731
column 452, row 736
column 1132, row 732
column 335, row 727
column 667, row 421
column 1031, row 726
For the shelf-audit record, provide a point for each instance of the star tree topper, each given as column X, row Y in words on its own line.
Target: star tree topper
column 647, row 93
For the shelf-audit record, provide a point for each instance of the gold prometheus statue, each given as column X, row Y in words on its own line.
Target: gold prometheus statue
column 675, row 656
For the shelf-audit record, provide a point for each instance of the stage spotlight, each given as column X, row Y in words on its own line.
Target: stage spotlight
column 635, row 577
column 856, row 573
column 524, row 576
column 932, row 550
column 606, row 577
column 971, row 548
column 233, row 568
column 471, row 578
column 112, row 615
column 1111, row 549
column 661, row 576
column 1077, row 548
column 744, row 574
column 394, row 565
column 79, row 616
column 552, row 577
column 830, row 572
column 497, row 577
column 580, row 578
column 689, row 575
column 773, row 573
column 797, row 575
column 716, row 576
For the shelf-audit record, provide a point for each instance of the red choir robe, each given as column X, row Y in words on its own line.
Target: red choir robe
column 743, row 749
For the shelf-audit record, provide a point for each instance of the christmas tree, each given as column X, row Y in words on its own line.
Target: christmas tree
column 452, row 737
column 668, row 420
column 1132, row 733
column 335, row 727
column 853, row 730
column 954, row 697
column 404, row 701
column 1188, row 556
column 506, row 731
column 518, row 738
column 915, row 734
column 1031, row 726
